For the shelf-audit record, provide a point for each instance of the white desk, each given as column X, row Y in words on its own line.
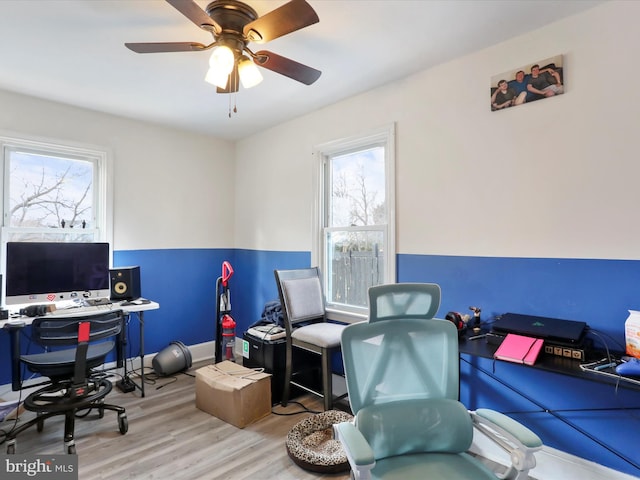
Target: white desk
column 137, row 307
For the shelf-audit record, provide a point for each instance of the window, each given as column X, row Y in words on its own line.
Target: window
column 54, row 193
column 355, row 224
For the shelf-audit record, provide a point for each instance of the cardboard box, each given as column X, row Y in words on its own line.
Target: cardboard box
column 233, row 393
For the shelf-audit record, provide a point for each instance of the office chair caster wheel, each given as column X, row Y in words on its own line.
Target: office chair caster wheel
column 11, row 449
column 40, row 426
column 123, row 423
column 71, row 449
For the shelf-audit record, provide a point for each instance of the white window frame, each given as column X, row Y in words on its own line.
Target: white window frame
column 385, row 136
column 102, row 182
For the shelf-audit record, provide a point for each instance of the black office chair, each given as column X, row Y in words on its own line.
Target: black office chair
column 303, row 310
column 72, row 385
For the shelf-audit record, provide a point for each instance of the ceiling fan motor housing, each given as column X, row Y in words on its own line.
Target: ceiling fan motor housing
column 232, row 16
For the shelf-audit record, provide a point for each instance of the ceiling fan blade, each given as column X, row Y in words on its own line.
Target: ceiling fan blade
column 287, row 67
column 233, row 83
column 288, row 18
column 165, row 47
column 193, row 12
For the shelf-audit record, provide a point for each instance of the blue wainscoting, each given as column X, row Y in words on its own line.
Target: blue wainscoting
column 182, row 281
column 253, row 283
column 598, row 292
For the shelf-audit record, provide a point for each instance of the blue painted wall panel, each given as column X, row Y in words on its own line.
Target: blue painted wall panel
column 597, row 291
column 588, row 419
column 253, row 283
column 183, row 282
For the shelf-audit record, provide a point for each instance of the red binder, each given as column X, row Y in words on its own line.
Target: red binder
column 519, row 349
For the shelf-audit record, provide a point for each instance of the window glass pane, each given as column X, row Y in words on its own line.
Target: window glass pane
column 355, row 260
column 357, row 182
column 354, row 228
column 24, row 235
column 47, row 191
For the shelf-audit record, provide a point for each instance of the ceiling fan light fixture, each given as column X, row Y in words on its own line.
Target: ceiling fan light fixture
column 217, row 78
column 233, row 25
column 222, row 59
column 250, row 76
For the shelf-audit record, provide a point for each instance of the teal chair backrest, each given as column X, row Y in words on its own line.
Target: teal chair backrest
column 403, row 300
column 400, row 359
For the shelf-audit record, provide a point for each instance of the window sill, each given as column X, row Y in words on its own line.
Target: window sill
column 346, row 317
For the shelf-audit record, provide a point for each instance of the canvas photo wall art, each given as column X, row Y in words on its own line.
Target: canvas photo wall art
column 528, row 83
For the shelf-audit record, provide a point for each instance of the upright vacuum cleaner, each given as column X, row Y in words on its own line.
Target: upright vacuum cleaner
column 225, row 325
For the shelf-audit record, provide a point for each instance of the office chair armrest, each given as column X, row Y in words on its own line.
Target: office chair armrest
column 356, row 448
column 511, row 436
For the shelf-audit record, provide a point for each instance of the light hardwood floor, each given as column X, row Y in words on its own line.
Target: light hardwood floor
column 169, row 437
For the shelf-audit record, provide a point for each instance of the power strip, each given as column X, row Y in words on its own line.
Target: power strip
column 576, row 353
column 125, row 385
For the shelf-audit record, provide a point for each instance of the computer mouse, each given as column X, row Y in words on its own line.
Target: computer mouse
column 630, row 368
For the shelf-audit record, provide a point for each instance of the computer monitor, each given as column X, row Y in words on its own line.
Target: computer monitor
column 46, row 272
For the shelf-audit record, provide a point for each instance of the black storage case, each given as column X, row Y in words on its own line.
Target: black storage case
column 271, row 355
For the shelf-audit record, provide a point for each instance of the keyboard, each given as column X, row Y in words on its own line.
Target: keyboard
column 82, row 309
column 93, row 302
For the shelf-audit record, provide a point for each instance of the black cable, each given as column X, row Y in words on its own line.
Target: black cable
column 4, row 433
column 600, row 335
column 304, row 410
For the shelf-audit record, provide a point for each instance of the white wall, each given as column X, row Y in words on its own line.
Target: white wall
column 172, row 189
column 554, row 178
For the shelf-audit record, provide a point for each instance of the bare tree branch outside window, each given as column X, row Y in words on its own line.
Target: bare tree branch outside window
column 357, row 207
column 50, row 192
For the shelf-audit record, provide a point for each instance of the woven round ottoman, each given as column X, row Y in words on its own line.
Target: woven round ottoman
column 311, row 446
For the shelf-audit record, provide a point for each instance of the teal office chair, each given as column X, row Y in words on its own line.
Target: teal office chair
column 402, row 381
column 303, row 310
column 403, row 300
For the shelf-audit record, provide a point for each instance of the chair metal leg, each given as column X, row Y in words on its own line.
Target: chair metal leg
column 69, row 427
column 327, row 383
column 287, row 375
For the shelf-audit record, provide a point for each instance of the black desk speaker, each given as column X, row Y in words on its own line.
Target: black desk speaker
column 125, row 283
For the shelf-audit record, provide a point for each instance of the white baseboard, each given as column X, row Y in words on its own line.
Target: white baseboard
column 199, row 352
column 550, row 463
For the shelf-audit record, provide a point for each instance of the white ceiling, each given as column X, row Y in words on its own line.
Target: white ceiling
column 72, row 51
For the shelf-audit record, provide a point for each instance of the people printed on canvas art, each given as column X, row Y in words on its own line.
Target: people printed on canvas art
column 540, row 83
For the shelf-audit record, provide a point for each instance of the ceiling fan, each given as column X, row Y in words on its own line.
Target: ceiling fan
column 234, row 25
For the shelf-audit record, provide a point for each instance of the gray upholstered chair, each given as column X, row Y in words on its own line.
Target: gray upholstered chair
column 403, row 300
column 303, row 309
